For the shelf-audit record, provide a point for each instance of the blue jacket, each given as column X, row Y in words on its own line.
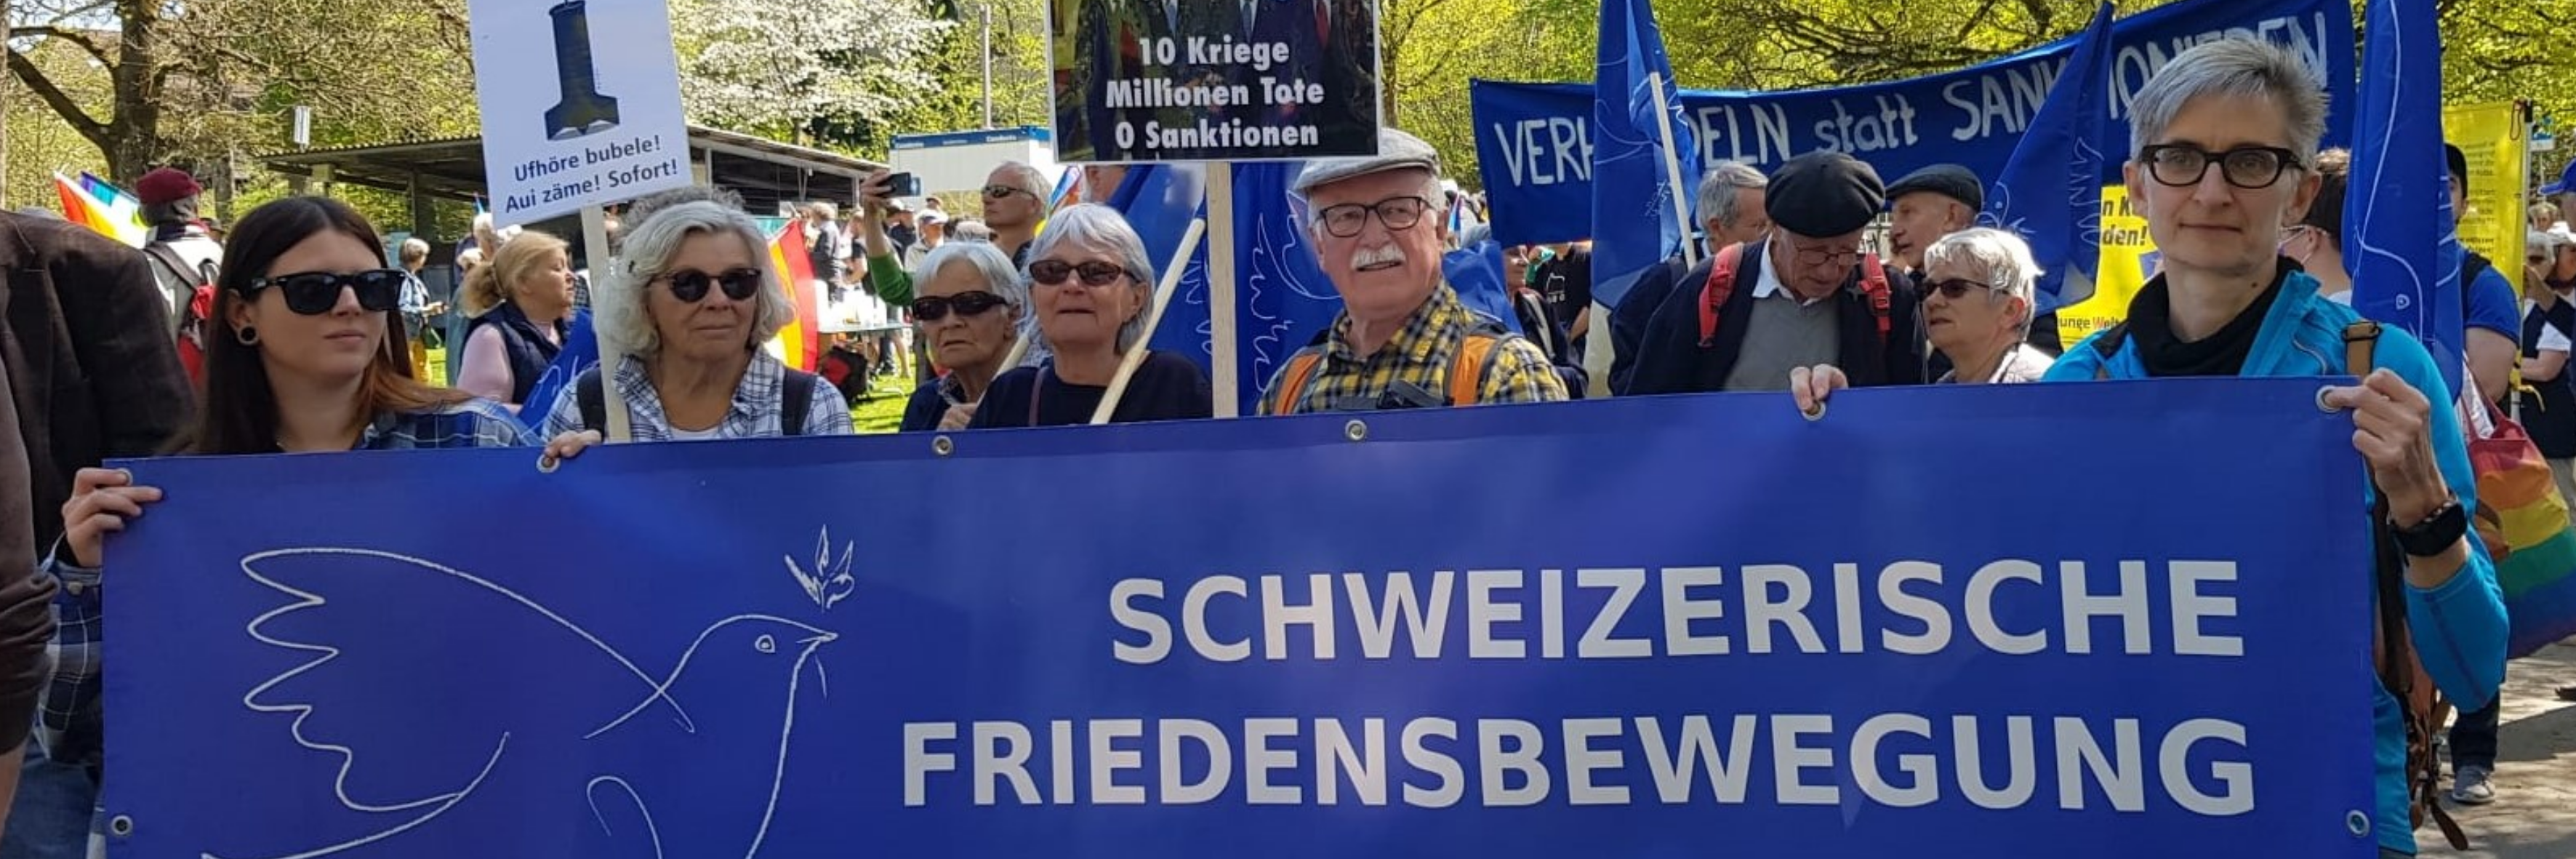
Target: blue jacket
column 2458, row 628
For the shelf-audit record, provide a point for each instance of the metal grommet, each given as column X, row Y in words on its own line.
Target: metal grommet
column 120, row 825
column 943, row 446
column 1817, row 415
column 2322, row 404
column 547, row 464
column 1355, row 430
column 2356, row 823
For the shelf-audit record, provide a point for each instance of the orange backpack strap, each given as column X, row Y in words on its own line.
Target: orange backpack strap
column 1467, row 371
column 1292, row 384
column 1719, row 288
column 1873, row 285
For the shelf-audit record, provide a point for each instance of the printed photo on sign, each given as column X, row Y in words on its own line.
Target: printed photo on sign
column 581, row 104
column 1214, row 80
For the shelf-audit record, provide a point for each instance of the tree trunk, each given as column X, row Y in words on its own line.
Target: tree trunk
column 134, row 132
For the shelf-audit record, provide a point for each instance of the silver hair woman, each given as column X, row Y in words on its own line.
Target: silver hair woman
column 1979, row 292
column 2225, row 139
column 691, row 305
column 1091, row 289
column 968, row 314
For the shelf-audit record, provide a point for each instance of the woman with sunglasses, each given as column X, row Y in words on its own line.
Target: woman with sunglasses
column 968, row 315
column 522, row 304
column 691, row 302
column 1978, row 290
column 1092, row 287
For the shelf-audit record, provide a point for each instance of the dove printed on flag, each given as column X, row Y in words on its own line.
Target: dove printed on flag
column 2399, row 242
column 1634, row 224
column 1282, row 298
column 2050, row 192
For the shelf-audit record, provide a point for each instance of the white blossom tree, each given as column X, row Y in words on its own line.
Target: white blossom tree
column 774, row 66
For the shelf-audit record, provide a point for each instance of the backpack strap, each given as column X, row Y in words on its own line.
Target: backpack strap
column 1719, row 288
column 2108, row 345
column 590, row 393
column 798, row 392
column 2360, row 341
column 1292, row 381
column 1873, row 286
column 1467, row 371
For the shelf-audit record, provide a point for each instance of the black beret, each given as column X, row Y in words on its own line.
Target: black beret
column 2459, row 165
column 1823, row 194
column 1948, row 180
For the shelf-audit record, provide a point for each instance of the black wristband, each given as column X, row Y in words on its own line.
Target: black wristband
column 2436, row 533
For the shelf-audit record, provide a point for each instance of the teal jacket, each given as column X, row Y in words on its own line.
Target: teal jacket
column 2458, row 628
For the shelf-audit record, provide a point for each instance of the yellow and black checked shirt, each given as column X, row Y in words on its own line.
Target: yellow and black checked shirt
column 1419, row 354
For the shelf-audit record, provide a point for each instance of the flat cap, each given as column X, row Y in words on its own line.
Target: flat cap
column 1948, row 180
column 1823, row 194
column 1396, row 150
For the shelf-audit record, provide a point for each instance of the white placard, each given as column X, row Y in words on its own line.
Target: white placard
column 581, row 104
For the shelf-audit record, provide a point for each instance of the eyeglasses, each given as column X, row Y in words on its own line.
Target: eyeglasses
column 690, row 287
column 1397, row 213
column 1052, row 272
column 2248, row 167
column 1816, row 257
column 314, row 293
column 1000, row 192
column 1953, row 288
column 934, row 308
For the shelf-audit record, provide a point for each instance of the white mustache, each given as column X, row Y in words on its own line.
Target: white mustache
column 1366, row 257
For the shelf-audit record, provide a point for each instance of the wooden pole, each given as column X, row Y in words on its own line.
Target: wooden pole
column 594, row 238
column 1135, row 356
column 1222, row 356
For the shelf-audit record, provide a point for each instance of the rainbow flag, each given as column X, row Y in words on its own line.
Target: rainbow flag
column 800, row 344
column 2524, row 525
column 102, row 207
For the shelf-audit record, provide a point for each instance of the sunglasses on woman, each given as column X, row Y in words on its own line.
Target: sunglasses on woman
column 1050, row 272
column 314, row 293
column 935, row 308
column 690, row 287
column 1953, row 288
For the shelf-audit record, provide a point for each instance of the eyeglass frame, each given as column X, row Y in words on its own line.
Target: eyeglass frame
column 2288, row 160
column 1324, row 216
column 1813, row 258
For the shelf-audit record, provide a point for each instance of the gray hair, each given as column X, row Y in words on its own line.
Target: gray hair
column 1030, row 179
column 620, row 308
column 989, row 263
column 2246, row 68
column 2000, row 259
column 1101, row 228
column 1717, row 190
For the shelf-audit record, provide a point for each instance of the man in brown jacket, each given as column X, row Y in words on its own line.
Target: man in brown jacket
column 91, row 373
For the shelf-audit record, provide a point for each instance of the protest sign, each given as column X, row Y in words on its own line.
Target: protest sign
column 1535, row 142
column 566, row 125
column 1290, row 637
column 1214, row 80
column 2493, row 137
column 2127, row 262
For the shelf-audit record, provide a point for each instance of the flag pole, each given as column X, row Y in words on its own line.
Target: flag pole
column 1223, row 381
column 594, row 240
column 1673, row 166
column 1135, row 356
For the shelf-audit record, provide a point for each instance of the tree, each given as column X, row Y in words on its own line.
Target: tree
column 773, row 68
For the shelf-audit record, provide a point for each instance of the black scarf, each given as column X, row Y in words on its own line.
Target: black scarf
column 2219, row 354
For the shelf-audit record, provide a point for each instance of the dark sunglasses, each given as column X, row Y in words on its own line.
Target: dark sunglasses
column 691, row 286
column 314, row 293
column 1952, row 289
column 999, row 192
column 1050, row 272
column 935, row 308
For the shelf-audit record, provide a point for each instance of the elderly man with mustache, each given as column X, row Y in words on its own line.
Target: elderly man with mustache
column 1403, row 339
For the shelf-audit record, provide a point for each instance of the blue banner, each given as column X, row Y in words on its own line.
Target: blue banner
column 1282, row 299
column 1535, row 143
column 1276, row 639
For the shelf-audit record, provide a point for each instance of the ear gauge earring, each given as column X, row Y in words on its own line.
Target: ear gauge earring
column 247, row 336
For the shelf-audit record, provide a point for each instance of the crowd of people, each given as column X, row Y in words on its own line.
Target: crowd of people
column 308, row 347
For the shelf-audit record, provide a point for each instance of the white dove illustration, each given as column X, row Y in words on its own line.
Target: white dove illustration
column 742, row 674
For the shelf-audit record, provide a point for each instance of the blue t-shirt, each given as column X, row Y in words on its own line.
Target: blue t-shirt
column 2494, row 306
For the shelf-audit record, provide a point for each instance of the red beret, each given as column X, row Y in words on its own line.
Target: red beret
column 166, row 185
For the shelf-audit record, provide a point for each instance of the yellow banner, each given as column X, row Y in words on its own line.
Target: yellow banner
column 2128, row 259
column 2492, row 135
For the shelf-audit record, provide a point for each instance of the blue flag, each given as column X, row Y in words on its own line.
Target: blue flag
column 1476, row 272
column 2050, row 192
column 580, row 352
column 1282, row 298
column 2398, row 236
column 1634, row 224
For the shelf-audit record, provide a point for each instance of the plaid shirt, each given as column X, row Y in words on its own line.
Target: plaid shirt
column 68, row 721
column 1419, row 355
column 757, row 412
